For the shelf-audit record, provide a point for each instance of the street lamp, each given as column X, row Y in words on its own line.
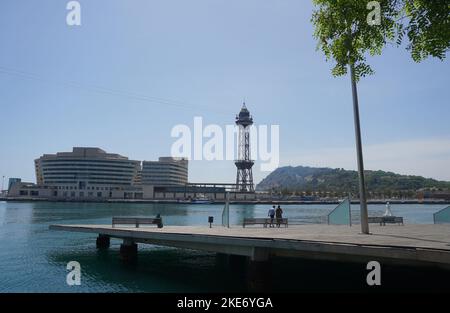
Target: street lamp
column 359, row 154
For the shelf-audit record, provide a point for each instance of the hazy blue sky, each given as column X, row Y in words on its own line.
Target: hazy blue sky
column 64, row 86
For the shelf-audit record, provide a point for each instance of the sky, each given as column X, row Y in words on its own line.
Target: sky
column 135, row 69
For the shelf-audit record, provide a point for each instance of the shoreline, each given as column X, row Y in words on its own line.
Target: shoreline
column 281, row 202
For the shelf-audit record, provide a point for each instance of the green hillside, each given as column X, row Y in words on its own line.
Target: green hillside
column 311, row 179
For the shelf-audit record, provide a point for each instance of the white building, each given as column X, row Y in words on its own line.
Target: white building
column 167, row 171
column 85, row 172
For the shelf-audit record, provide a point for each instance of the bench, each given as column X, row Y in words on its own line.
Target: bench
column 265, row 221
column 383, row 220
column 137, row 221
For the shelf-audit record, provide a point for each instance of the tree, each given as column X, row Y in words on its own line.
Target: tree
column 427, row 26
column 345, row 33
column 348, row 30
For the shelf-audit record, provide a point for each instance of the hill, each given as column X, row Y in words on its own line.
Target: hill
column 313, row 179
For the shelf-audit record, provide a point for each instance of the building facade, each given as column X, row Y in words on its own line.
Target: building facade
column 167, row 171
column 86, row 172
column 91, row 174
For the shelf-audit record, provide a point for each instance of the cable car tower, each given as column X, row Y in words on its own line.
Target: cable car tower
column 244, row 163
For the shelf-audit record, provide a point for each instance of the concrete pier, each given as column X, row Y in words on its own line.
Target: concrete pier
column 427, row 245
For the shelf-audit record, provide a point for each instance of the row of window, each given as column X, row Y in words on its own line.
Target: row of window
column 152, row 173
column 90, row 177
column 82, row 194
column 89, row 170
column 59, row 182
column 31, row 193
column 88, row 188
column 163, row 178
column 115, row 167
column 90, row 161
column 164, row 168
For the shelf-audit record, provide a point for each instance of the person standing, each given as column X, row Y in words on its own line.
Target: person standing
column 271, row 213
column 279, row 215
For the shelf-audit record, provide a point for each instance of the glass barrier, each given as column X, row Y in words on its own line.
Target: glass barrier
column 443, row 216
column 341, row 215
column 226, row 211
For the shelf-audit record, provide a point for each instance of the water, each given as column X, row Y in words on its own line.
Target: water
column 34, row 259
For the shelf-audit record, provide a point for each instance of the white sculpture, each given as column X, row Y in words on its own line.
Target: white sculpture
column 388, row 211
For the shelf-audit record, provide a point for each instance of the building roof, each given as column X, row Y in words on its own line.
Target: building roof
column 86, row 152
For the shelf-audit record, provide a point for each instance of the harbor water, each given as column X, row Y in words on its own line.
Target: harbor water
column 34, row 259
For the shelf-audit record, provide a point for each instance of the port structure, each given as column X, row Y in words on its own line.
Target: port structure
column 244, row 163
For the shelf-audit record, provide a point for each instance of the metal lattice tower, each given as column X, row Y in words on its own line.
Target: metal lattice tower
column 244, row 163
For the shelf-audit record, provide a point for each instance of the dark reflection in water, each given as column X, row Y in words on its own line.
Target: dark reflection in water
column 157, row 270
column 32, row 258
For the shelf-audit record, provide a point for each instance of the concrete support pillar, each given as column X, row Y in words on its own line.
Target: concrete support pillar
column 222, row 260
column 260, row 255
column 128, row 250
column 259, row 273
column 259, row 276
column 103, row 242
column 255, row 270
column 238, row 265
column 235, row 263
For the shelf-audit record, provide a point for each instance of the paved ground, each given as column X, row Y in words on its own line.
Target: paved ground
column 436, row 237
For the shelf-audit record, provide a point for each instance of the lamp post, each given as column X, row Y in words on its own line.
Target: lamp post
column 359, row 154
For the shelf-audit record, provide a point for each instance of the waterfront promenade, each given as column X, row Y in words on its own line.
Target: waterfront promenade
column 427, row 245
column 252, row 202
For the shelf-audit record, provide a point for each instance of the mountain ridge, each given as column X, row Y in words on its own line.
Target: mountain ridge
column 325, row 179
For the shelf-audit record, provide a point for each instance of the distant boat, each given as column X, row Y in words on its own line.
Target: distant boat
column 200, row 199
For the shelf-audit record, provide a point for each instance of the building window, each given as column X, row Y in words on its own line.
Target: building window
column 99, row 194
column 128, row 195
column 72, row 194
column 81, row 194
